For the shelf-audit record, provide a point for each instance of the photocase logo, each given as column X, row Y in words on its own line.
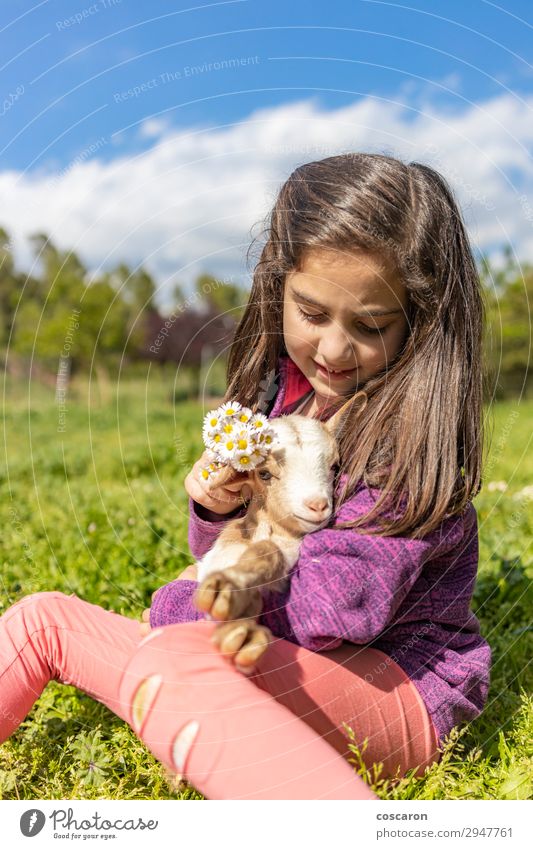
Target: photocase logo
column 32, row 822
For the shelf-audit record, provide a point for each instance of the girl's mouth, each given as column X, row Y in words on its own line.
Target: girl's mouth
column 334, row 375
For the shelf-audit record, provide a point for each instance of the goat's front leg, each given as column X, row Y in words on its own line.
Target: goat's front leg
column 222, row 597
column 234, row 592
column 243, row 641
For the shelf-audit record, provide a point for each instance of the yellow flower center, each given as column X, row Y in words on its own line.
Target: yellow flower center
column 230, row 445
column 243, row 444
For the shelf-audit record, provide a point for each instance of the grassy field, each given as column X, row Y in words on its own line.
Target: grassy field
column 98, row 509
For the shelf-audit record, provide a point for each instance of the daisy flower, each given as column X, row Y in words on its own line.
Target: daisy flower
column 244, row 415
column 212, row 439
column 230, row 408
column 259, row 454
column 246, row 439
column 235, row 436
column 208, row 431
column 213, row 419
column 211, row 469
column 259, row 422
column 227, row 447
column 244, row 462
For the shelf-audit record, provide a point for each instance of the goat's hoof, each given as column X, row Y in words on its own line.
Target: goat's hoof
column 223, row 599
column 243, row 642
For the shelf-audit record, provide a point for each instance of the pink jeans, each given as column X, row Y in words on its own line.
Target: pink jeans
column 277, row 734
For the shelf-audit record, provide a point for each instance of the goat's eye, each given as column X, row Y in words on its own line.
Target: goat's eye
column 265, row 475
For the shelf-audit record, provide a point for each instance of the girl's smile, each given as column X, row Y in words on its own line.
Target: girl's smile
column 334, row 374
column 344, row 319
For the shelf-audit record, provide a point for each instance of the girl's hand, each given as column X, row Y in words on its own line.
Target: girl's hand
column 190, row 573
column 217, row 499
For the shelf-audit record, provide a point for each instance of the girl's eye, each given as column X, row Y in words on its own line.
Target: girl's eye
column 312, row 319
column 364, row 328
column 372, row 330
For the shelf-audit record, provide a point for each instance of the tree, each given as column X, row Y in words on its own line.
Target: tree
column 508, row 339
column 222, row 296
column 13, row 287
column 70, row 318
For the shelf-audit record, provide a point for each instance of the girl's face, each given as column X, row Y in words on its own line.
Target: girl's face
column 343, row 312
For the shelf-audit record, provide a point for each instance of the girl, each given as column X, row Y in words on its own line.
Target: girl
column 366, row 285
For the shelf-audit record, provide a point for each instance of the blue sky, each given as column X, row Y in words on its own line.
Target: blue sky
column 128, row 128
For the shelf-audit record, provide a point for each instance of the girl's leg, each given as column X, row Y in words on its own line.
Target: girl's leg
column 214, row 726
column 51, row 636
column 196, row 713
column 359, row 686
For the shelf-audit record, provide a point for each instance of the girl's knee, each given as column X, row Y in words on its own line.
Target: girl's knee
column 36, row 604
column 170, row 654
column 43, row 598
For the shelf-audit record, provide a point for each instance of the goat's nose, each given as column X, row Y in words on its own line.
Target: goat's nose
column 318, row 504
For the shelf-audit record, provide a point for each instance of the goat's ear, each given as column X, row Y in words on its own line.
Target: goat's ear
column 333, row 423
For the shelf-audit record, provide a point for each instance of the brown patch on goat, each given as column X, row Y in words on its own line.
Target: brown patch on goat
column 262, row 563
column 240, row 529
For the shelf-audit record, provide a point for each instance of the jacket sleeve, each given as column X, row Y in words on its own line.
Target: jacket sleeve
column 174, row 603
column 204, row 527
column 347, row 585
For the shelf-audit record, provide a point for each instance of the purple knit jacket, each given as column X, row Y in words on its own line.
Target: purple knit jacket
column 409, row 598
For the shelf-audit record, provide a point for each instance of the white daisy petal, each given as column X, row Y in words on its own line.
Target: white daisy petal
column 230, row 408
column 259, row 422
column 212, row 419
column 243, row 461
column 227, row 449
column 236, row 436
column 244, row 415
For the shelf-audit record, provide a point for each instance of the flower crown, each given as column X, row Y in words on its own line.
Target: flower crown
column 237, row 437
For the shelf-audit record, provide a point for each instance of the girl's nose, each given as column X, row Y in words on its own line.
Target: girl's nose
column 336, row 349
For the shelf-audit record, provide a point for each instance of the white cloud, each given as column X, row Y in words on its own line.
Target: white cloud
column 152, row 127
column 187, row 204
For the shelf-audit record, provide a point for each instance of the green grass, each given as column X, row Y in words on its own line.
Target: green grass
column 100, row 510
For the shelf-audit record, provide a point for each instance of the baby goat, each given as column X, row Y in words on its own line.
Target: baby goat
column 292, row 495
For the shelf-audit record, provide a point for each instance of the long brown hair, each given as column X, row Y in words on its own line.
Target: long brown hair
column 418, row 438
